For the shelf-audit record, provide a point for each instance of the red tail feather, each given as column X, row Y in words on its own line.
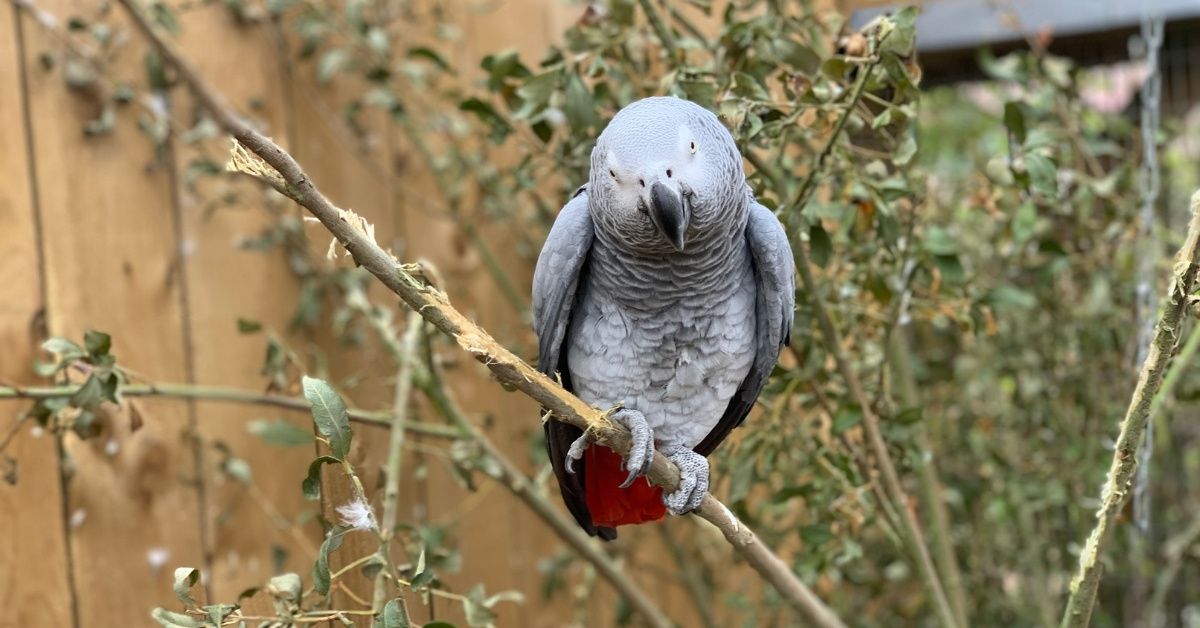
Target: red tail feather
column 612, row 505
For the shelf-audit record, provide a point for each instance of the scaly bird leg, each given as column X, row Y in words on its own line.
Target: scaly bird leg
column 641, row 451
column 693, row 480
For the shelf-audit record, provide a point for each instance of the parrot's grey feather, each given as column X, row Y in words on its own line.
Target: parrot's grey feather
column 557, row 276
column 664, row 289
column 775, row 303
column 560, row 270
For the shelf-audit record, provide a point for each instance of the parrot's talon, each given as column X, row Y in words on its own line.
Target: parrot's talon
column 693, row 481
column 576, row 451
column 641, row 447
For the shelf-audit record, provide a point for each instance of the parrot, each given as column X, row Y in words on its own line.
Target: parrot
column 666, row 292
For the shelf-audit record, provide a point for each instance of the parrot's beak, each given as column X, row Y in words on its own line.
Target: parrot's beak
column 669, row 214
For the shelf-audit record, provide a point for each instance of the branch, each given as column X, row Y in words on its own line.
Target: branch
column 218, row 393
column 911, row 527
column 391, row 490
column 507, row 367
column 660, row 30
column 1120, row 474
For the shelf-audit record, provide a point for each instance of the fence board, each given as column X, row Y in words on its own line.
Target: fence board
column 111, row 264
column 226, row 283
column 31, row 511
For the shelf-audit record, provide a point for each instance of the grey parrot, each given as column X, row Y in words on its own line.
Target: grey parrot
column 666, row 291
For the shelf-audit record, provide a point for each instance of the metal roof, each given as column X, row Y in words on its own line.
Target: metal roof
column 947, row 25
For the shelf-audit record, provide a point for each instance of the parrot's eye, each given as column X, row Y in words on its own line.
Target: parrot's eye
column 612, row 174
column 692, row 147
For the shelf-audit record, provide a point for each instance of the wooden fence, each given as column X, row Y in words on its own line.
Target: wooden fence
column 98, row 233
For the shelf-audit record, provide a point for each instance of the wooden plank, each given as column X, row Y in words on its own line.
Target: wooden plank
column 31, row 511
column 110, row 263
column 225, row 283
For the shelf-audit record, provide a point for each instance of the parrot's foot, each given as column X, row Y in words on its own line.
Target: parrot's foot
column 641, row 450
column 693, row 481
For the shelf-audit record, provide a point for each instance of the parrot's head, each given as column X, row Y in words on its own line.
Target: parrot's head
column 665, row 173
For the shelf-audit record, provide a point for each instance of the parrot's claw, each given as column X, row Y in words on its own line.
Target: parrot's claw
column 641, row 447
column 641, row 451
column 693, row 481
column 576, row 451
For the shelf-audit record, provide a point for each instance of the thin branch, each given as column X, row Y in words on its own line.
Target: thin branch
column 507, row 367
column 660, row 30
column 391, row 490
column 691, row 576
column 931, row 485
column 219, row 393
column 809, row 184
column 911, row 528
column 1120, row 474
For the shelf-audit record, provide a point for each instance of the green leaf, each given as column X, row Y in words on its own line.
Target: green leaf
column 906, row 150
column 63, row 348
column 311, row 487
column 90, row 394
column 939, row 241
column 746, row 85
column 185, row 579
column 97, row 342
column 1043, row 174
column 321, row 574
column 280, row 432
column 819, row 245
column 165, row 17
column 1014, row 120
column 578, row 105
column 393, row 616
column 1007, row 297
column 156, row 74
column 422, row 52
column 171, row 619
column 248, row 326
column 904, row 33
column 816, row 535
column 329, row 413
column 218, row 612
column 846, row 418
column 286, row 587
column 487, row 114
column 535, row 93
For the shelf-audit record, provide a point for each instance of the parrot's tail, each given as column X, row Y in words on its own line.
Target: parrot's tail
column 611, row 505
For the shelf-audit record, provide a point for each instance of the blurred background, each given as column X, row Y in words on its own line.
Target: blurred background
column 991, row 213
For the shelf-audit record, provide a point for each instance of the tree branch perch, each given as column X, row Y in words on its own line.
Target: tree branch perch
column 1120, row 474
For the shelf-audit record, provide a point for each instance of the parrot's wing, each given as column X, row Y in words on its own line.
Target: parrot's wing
column 775, row 303
column 560, row 271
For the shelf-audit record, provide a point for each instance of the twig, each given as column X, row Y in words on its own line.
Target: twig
column 809, row 184
column 507, row 367
column 692, row 580
column 1174, row 551
column 218, row 393
column 1117, row 486
column 911, row 528
column 931, row 486
column 660, row 30
column 391, row 490
column 435, row 389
